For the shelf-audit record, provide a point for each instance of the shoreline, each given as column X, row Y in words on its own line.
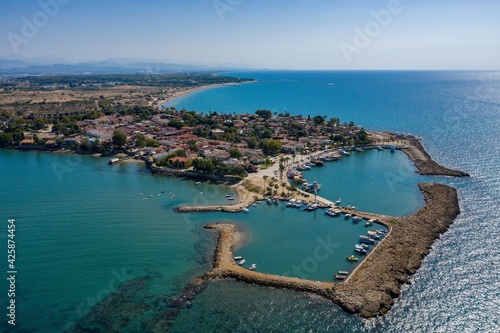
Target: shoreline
column 188, row 91
column 370, row 290
column 424, row 162
column 376, row 282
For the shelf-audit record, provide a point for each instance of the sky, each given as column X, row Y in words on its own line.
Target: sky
column 274, row 34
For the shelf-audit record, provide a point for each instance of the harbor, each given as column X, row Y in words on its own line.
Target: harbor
column 371, row 288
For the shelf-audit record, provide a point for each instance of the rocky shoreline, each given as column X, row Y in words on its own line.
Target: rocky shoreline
column 424, row 163
column 377, row 281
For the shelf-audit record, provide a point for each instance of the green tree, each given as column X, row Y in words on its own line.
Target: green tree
column 318, row 120
column 266, row 114
column 119, row 139
column 140, row 141
column 271, row 147
column 252, row 142
column 6, row 139
column 235, row 152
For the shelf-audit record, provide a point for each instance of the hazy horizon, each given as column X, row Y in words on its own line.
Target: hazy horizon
column 345, row 35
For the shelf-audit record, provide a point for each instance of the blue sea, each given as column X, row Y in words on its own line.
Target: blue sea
column 85, row 230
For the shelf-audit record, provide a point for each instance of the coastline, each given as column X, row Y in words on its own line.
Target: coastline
column 187, row 91
column 424, row 162
column 377, row 281
column 371, row 288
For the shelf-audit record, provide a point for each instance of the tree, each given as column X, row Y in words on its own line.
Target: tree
column 266, row 114
column 140, row 141
column 235, row 152
column 6, row 139
column 119, row 139
column 271, row 147
column 318, row 120
column 282, row 167
column 265, row 183
column 252, row 142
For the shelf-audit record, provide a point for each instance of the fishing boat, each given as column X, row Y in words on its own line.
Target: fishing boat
column 269, row 201
column 343, row 273
column 339, row 277
column 369, row 222
column 344, row 153
column 291, row 203
column 238, row 258
column 379, row 148
column 356, row 218
column 360, row 251
column 312, row 207
column 252, row 267
column 230, row 198
column 358, row 149
column 317, row 162
column 348, row 216
column 362, row 246
column 245, row 210
column 366, row 240
column 338, row 202
column 241, row 262
column 351, row 258
column 311, row 188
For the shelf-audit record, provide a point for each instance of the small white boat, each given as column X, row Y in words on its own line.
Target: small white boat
column 343, row 273
column 338, row 202
column 348, row 216
column 230, row 198
column 197, row 183
column 245, row 210
column 238, row 258
column 241, row 262
column 369, row 223
column 252, row 267
column 356, row 218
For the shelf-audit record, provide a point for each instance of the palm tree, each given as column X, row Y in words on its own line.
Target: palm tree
column 282, row 167
column 283, row 184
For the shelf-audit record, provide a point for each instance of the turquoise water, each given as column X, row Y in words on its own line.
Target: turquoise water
column 373, row 181
column 83, row 230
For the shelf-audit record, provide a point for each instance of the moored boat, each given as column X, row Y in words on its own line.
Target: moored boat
column 339, row 277
column 343, row 273
column 351, row 258
column 238, row 258
column 252, row 267
column 242, row 262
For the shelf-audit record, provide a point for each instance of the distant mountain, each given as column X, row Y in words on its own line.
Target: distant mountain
column 44, row 66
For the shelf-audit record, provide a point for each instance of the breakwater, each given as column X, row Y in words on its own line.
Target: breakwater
column 372, row 288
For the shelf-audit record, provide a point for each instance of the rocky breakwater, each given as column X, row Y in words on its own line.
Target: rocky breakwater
column 424, row 163
column 372, row 288
column 377, row 282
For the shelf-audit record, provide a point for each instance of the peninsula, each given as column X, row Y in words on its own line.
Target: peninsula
column 253, row 152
